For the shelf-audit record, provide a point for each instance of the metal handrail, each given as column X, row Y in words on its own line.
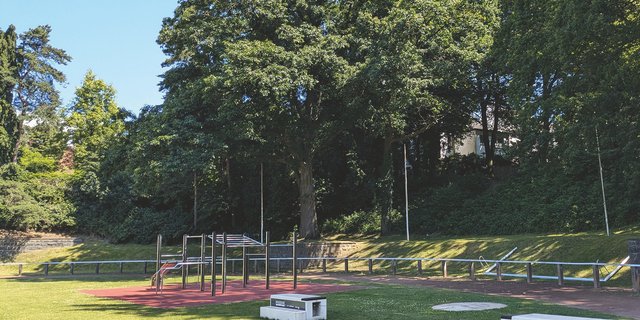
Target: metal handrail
column 208, row 260
column 394, row 260
column 74, row 262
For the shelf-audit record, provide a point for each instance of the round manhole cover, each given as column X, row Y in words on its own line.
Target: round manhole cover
column 469, row 306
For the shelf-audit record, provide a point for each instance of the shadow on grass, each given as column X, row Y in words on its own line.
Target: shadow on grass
column 79, row 278
column 242, row 310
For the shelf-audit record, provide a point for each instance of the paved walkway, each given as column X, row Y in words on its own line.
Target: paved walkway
column 616, row 301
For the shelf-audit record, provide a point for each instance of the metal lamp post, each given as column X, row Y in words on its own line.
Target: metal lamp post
column 406, row 190
column 261, row 203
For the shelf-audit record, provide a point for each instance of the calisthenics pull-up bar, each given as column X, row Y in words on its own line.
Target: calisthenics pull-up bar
column 226, row 241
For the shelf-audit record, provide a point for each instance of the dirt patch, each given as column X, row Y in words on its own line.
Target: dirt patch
column 616, row 301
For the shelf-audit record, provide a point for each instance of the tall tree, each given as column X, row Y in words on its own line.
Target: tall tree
column 277, row 67
column 573, row 67
column 528, row 46
column 95, row 121
column 8, row 79
column 493, row 111
column 415, row 59
column 36, row 77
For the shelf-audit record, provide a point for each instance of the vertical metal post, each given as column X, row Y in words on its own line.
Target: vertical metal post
column 188, row 269
column 97, row 268
column 499, row 271
column 213, row 264
column 295, row 260
column 224, row 262
column 185, row 267
column 406, row 191
column 529, row 273
column 71, row 267
column 261, row 202
column 267, row 257
column 20, row 269
column 121, row 266
column 472, row 271
column 419, row 267
column 278, row 266
column 445, row 272
column 394, row 266
column 346, row 265
column 560, row 269
column 158, row 253
column 195, row 200
column 144, row 268
column 324, row 265
column 604, row 198
column 596, row 276
column 46, row 269
column 203, row 266
column 635, row 279
column 370, row 265
column 157, row 274
column 245, row 268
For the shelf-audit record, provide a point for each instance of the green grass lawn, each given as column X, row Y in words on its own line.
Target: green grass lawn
column 59, row 298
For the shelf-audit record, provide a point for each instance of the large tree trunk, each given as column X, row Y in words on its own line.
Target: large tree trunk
column 485, row 94
column 384, row 188
column 486, row 141
column 308, row 215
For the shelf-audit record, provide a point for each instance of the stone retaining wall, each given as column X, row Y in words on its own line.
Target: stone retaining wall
column 11, row 245
column 324, row 249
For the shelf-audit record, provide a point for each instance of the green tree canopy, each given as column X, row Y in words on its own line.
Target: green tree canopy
column 95, row 121
column 8, row 79
column 415, row 60
column 277, row 69
column 36, row 77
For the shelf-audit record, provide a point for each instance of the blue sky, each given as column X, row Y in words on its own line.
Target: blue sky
column 114, row 38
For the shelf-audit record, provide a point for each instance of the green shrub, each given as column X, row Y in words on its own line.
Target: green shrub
column 358, row 222
column 143, row 224
column 31, row 201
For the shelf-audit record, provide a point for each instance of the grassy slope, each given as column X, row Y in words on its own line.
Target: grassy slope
column 582, row 247
column 61, row 299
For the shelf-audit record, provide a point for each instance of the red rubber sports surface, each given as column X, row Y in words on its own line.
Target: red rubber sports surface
column 174, row 297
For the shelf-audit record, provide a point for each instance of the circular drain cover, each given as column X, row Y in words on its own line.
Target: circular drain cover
column 469, row 306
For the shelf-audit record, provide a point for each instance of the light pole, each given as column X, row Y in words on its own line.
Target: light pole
column 604, row 198
column 261, row 202
column 406, row 190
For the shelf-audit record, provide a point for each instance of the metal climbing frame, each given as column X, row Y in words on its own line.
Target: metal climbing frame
column 237, row 241
column 225, row 241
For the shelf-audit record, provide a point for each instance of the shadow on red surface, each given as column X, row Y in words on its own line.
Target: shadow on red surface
column 174, row 297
